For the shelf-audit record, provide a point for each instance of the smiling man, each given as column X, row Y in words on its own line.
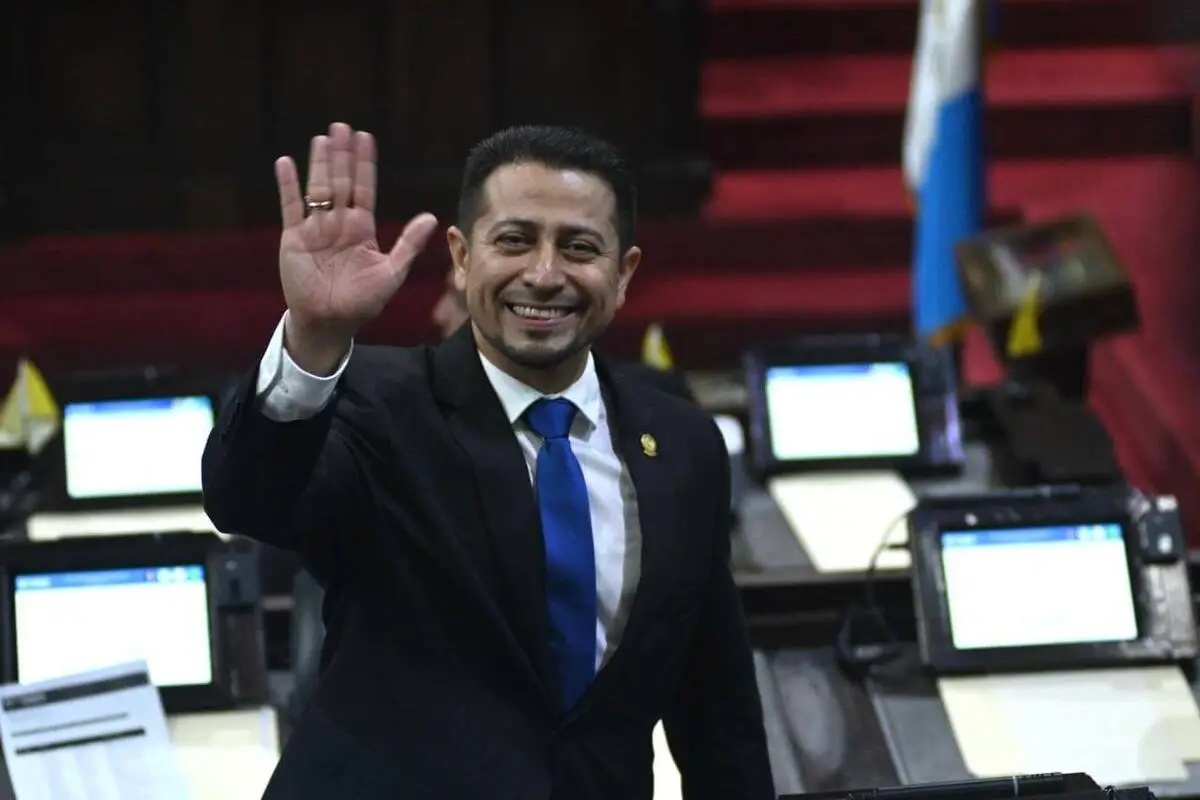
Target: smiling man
column 524, row 550
column 450, row 313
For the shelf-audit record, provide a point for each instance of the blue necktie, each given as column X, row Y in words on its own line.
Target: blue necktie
column 570, row 557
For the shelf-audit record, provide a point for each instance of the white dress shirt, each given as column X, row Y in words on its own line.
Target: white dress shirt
column 289, row 393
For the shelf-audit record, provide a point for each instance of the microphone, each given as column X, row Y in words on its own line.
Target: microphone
column 1046, row 783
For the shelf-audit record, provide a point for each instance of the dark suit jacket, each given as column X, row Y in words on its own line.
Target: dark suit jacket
column 670, row 382
column 410, row 501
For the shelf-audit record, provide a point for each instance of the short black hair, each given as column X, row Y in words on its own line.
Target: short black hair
column 558, row 148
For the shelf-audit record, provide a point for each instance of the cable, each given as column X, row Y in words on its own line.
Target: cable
column 856, row 660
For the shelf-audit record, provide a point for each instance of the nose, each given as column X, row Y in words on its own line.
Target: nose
column 544, row 271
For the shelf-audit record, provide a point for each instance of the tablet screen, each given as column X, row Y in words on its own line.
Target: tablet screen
column 1028, row 587
column 69, row 622
column 841, row 411
column 135, row 448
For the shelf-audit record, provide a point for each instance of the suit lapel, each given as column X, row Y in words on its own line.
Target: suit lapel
column 635, row 437
column 501, row 478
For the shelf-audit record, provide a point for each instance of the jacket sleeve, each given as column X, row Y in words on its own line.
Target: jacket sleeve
column 296, row 484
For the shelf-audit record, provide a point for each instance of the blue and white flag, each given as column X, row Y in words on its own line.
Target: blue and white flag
column 943, row 157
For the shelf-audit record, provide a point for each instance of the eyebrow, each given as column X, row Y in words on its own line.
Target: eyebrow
column 528, row 223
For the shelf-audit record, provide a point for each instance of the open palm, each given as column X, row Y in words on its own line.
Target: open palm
column 330, row 265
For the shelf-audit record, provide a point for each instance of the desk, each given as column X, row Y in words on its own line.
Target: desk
column 764, row 541
column 839, row 734
column 227, row 755
column 921, row 743
column 826, row 732
column 821, row 726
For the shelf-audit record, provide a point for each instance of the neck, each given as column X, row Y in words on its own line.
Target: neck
column 550, row 379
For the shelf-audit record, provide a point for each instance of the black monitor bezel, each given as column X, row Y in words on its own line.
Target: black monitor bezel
column 932, row 604
column 52, row 464
column 757, row 363
column 150, row 551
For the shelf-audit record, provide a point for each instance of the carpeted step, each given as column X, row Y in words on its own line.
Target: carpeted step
column 848, row 140
column 1155, row 409
column 161, row 262
column 739, row 28
column 787, row 194
column 715, row 316
column 826, row 84
column 780, row 113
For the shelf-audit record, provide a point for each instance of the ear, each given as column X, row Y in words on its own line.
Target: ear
column 628, row 266
column 456, row 243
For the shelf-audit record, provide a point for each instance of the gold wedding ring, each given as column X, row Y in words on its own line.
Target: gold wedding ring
column 317, row 205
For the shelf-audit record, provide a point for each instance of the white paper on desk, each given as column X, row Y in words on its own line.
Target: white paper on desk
column 98, row 735
column 1133, row 725
column 227, row 755
column 49, row 526
column 841, row 518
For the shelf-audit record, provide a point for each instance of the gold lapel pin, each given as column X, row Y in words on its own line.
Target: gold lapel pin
column 649, row 446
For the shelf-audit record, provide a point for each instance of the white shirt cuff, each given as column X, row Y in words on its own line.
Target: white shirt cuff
column 286, row 391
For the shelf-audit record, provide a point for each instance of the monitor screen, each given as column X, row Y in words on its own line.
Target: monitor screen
column 842, row 411
column 1028, row 587
column 134, row 448
column 69, row 622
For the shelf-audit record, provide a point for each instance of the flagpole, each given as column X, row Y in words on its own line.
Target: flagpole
column 943, row 163
column 983, row 30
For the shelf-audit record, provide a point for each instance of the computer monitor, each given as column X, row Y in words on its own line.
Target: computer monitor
column 1038, row 586
column 823, row 412
column 66, row 622
column 124, row 449
column 852, row 403
column 1050, row 577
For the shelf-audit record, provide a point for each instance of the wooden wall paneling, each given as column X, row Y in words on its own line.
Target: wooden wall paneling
column 143, row 114
column 320, row 66
column 438, row 100
column 627, row 70
column 676, row 171
column 220, row 127
column 20, row 149
column 559, row 60
column 97, row 93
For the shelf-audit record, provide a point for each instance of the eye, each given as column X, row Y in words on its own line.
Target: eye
column 580, row 248
column 511, row 239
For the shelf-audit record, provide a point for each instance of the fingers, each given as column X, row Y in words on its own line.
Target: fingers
column 341, row 163
column 291, row 204
column 319, row 189
column 411, row 242
column 341, row 169
column 364, row 171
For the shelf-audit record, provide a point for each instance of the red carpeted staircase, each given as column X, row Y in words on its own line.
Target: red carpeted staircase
column 1087, row 111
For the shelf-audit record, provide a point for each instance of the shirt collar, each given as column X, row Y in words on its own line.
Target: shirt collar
column 517, row 397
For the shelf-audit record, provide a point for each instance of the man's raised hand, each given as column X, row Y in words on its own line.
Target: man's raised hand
column 335, row 278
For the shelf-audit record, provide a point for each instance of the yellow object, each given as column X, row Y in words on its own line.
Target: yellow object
column 29, row 416
column 649, row 446
column 1024, row 336
column 655, row 352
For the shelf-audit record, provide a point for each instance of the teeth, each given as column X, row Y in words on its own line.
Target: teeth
column 539, row 313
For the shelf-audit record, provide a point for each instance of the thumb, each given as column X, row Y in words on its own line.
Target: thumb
column 412, row 241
